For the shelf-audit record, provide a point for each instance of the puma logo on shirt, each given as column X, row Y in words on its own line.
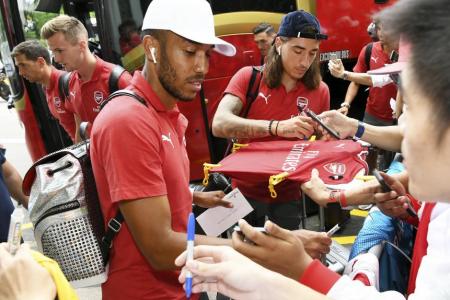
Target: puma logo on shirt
column 266, row 99
column 166, row 138
column 374, row 59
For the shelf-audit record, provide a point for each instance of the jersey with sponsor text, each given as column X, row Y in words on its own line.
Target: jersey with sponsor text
column 338, row 162
column 275, row 104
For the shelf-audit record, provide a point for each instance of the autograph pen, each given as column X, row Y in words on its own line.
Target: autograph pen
column 333, row 230
column 190, row 252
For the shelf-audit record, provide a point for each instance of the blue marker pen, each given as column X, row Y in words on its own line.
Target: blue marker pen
column 190, row 252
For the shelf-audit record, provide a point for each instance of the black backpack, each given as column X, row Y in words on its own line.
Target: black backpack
column 113, row 81
column 368, row 54
column 252, row 89
column 65, row 211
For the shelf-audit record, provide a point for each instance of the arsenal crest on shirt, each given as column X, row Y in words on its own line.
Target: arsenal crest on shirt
column 98, row 97
column 57, row 102
column 302, row 103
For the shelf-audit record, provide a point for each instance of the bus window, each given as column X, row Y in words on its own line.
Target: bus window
column 7, row 61
column 32, row 19
column 125, row 17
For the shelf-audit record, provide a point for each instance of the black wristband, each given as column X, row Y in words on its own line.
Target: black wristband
column 276, row 128
column 270, row 127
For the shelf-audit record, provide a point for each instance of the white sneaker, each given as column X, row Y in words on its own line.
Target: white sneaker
column 366, row 264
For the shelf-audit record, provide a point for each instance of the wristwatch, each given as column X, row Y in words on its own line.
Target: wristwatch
column 345, row 104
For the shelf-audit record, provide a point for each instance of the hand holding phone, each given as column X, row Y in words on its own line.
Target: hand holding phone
column 386, row 189
column 333, row 56
column 318, row 120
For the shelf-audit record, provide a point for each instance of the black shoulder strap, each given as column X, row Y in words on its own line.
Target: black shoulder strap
column 253, row 88
column 120, row 93
column 84, row 125
column 112, row 229
column 63, row 85
column 114, row 77
column 367, row 55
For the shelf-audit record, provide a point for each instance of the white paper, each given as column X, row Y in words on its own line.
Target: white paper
column 216, row 220
column 392, row 104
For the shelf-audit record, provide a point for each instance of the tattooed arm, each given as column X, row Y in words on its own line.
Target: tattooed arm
column 228, row 124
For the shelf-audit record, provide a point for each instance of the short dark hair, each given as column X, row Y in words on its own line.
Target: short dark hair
column 158, row 34
column 424, row 25
column 32, row 50
column 264, row 27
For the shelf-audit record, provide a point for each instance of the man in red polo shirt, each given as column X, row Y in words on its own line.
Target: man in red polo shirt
column 67, row 38
column 378, row 109
column 33, row 61
column 291, row 74
column 139, row 157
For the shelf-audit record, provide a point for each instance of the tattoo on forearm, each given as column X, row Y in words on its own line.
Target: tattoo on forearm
column 246, row 131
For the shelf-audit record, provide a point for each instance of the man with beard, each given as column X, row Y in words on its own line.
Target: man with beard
column 139, row 157
column 67, row 38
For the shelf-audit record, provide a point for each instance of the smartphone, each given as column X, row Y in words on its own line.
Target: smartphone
column 394, row 56
column 327, row 128
column 385, row 188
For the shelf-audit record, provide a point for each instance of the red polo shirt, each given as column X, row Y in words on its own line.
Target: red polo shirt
column 379, row 97
column 56, row 104
column 275, row 104
column 139, row 152
column 85, row 97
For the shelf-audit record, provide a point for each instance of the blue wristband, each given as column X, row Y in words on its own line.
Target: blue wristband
column 359, row 133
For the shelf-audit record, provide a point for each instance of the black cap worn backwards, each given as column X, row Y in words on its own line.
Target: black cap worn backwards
column 301, row 24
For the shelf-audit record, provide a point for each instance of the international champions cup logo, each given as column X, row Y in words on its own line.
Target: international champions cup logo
column 336, row 169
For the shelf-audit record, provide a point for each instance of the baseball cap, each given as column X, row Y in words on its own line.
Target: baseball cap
column 404, row 50
column 191, row 19
column 301, row 24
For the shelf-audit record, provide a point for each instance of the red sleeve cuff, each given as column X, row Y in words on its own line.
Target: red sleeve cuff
column 416, row 206
column 415, row 203
column 319, row 278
